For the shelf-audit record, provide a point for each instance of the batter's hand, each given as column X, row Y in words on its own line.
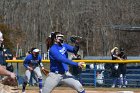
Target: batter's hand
column 80, row 64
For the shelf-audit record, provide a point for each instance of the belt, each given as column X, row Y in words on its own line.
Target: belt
column 57, row 72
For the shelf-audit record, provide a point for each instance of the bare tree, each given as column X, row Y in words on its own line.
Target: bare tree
column 91, row 19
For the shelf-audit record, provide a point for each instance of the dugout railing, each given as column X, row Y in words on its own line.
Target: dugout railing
column 91, row 75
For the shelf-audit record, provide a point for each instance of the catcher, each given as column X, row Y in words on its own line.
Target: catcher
column 7, row 83
column 31, row 63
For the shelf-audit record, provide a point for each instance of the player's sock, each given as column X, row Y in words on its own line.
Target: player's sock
column 40, row 83
column 23, row 87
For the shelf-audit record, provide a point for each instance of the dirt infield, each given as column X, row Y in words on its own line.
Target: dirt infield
column 88, row 90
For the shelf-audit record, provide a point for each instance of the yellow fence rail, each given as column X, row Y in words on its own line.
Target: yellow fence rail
column 86, row 61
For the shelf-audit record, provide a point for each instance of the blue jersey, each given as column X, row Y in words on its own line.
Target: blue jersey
column 32, row 61
column 59, row 57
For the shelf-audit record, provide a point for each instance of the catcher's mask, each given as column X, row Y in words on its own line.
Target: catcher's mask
column 35, row 52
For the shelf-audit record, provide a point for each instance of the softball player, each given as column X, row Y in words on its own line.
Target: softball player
column 59, row 65
column 114, row 67
column 122, row 68
column 31, row 63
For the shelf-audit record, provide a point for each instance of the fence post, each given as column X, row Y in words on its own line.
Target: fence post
column 17, row 71
column 95, row 68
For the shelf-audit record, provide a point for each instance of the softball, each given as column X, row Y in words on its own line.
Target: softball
column 84, row 65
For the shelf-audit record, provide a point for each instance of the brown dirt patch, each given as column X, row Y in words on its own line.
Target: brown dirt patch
column 88, row 90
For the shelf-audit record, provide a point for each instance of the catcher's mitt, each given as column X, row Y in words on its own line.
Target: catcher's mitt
column 45, row 72
column 8, row 85
column 9, row 81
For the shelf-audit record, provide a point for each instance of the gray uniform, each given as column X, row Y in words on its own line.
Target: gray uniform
column 54, row 79
column 34, row 63
column 37, row 72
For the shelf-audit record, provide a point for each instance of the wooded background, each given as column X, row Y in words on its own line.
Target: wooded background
column 29, row 22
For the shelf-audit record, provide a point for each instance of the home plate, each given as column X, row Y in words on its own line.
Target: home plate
column 125, row 92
